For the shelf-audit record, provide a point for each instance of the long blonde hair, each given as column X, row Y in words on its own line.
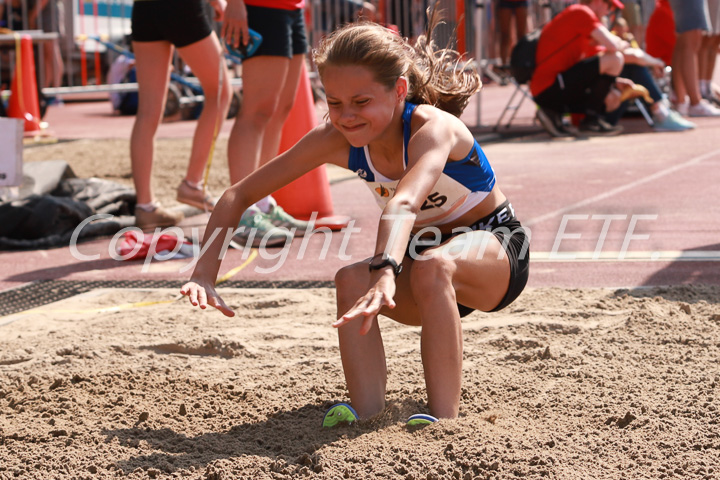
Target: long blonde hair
column 437, row 77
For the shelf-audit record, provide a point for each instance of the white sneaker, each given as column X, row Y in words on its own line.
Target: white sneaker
column 704, row 109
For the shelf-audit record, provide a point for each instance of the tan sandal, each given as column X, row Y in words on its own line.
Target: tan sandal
column 158, row 218
column 636, row 91
column 195, row 196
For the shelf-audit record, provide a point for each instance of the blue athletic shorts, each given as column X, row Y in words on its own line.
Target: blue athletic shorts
column 283, row 31
column 180, row 22
column 690, row 15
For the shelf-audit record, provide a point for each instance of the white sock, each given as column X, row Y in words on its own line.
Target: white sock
column 264, row 204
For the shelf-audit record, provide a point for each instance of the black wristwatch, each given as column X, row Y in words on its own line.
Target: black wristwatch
column 382, row 260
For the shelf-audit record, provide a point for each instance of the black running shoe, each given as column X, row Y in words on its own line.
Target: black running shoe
column 593, row 126
column 552, row 122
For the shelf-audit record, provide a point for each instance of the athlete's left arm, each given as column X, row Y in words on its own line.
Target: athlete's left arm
column 433, row 140
column 430, row 145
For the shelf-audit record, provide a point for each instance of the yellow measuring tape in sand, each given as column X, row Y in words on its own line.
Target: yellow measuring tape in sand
column 127, row 306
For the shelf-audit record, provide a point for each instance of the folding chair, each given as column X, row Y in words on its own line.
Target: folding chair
column 641, row 107
column 522, row 65
column 521, row 92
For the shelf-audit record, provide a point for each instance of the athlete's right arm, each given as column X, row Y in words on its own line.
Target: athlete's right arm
column 321, row 145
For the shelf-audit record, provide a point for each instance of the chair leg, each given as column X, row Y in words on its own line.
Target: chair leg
column 513, row 106
column 641, row 106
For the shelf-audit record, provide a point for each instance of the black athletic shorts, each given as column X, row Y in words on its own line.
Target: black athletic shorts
column 511, row 234
column 283, row 31
column 513, row 4
column 180, row 22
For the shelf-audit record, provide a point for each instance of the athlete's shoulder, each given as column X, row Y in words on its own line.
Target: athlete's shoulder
column 441, row 125
column 430, row 115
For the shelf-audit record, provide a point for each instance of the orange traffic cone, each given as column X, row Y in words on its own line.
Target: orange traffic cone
column 311, row 192
column 24, row 102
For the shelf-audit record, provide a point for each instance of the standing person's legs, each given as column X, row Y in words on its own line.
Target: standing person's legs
column 286, row 99
column 709, row 51
column 691, row 19
column 504, row 16
column 685, row 66
column 521, row 22
column 205, row 60
column 263, row 80
column 152, row 64
column 52, row 63
column 708, row 59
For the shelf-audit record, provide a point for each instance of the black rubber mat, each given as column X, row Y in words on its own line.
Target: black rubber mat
column 43, row 292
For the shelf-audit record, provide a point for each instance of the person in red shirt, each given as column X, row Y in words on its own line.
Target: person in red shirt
column 577, row 64
column 660, row 34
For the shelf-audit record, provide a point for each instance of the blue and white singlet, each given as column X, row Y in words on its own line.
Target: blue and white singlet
column 462, row 185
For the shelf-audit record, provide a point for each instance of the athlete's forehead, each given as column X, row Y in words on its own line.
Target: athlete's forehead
column 349, row 81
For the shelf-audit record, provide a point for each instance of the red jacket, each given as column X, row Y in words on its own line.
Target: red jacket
column 564, row 41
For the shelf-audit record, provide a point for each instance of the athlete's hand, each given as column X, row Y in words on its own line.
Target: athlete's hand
column 202, row 294
column 368, row 306
column 235, row 26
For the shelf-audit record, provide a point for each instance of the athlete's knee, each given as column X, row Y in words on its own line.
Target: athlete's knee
column 351, row 277
column 259, row 114
column 429, row 273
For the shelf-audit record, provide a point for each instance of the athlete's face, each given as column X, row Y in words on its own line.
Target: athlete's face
column 358, row 106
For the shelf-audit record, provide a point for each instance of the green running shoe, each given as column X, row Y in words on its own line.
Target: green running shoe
column 255, row 229
column 339, row 413
column 280, row 218
column 420, row 419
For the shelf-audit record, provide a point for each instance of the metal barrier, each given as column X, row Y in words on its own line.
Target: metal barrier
column 468, row 27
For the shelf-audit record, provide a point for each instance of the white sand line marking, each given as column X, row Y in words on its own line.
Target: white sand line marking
column 615, row 191
column 628, row 256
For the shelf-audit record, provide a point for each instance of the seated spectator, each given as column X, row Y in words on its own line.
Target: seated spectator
column 664, row 118
column 577, row 64
column 632, row 16
column 621, row 29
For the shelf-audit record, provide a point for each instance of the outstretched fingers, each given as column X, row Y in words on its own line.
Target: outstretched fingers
column 367, row 308
column 201, row 297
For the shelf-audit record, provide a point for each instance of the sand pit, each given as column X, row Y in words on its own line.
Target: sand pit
column 562, row 384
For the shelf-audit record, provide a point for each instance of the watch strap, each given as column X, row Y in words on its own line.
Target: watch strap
column 385, row 261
